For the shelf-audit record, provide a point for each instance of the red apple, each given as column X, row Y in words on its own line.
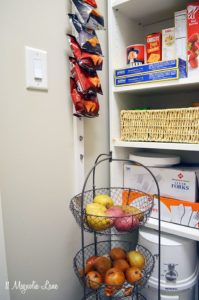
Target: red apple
column 90, row 261
column 133, row 274
column 121, row 264
column 115, row 277
column 93, row 280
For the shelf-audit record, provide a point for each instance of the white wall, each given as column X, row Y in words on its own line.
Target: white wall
column 36, row 149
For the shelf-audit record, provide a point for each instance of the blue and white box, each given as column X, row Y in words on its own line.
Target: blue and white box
column 173, row 74
column 153, row 67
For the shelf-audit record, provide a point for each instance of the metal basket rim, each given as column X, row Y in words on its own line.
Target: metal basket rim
column 151, row 197
column 146, row 274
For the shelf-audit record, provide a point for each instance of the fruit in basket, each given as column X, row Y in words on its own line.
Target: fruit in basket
column 114, row 212
column 132, row 210
column 136, row 259
column 93, row 208
column 121, row 264
column 99, row 221
column 87, row 269
column 104, row 200
column 117, row 253
column 96, row 217
column 115, row 277
column 90, row 261
column 93, row 280
column 126, row 223
column 133, row 274
column 102, row 264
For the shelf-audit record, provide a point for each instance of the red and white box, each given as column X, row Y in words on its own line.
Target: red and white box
column 154, row 47
column 193, row 38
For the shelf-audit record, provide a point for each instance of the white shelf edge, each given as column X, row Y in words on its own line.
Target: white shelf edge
column 184, row 82
column 183, row 231
column 156, row 145
column 117, row 3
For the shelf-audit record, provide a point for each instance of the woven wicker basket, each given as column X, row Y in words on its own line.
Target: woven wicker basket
column 179, row 125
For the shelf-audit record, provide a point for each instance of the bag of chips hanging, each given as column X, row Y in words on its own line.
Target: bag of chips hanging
column 91, row 3
column 86, row 38
column 85, row 82
column 90, row 62
column 89, row 16
column 85, row 105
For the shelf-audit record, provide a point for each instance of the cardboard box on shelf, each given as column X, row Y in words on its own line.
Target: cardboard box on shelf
column 168, row 44
column 193, row 38
column 171, row 210
column 180, row 20
column 177, row 182
column 153, row 47
column 181, row 48
column 149, row 68
column 172, row 74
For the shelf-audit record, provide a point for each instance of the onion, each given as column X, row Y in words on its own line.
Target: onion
column 114, row 212
column 126, row 223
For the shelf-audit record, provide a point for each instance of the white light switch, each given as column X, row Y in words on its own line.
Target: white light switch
column 36, row 69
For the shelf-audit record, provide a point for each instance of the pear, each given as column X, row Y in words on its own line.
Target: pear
column 97, row 217
column 92, row 208
column 104, row 200
column 99, row 221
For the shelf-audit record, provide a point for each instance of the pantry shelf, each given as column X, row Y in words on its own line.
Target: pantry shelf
column 183, row 231
column 154, row 145
column 156, row 10
column 175, row 85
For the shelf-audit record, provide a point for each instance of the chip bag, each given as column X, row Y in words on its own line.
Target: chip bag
column 85, row 105
column 85, row 82
column 90, row 2
column 86, row 38
column 90, row 17
column 90, row 62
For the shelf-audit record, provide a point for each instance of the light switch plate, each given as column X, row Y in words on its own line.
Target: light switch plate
column 36, row 69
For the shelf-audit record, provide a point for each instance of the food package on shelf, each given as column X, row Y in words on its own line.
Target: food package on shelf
column 168, row 44
column 193, row 39
column 154, row 47
column 180, row 19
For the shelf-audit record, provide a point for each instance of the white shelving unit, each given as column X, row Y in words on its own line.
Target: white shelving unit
column 129, row 23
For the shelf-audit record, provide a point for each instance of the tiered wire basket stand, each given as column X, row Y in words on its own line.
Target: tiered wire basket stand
column 100, row 226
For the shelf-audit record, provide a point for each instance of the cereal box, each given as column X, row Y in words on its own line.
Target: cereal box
column 168, row 44
column 193, row 38
column 154, row 47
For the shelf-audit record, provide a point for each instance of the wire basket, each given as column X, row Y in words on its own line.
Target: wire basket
column 96, row 296
column 103, row 248
column 133, row 216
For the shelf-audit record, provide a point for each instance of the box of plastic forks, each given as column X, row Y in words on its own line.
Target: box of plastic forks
column 180, row 182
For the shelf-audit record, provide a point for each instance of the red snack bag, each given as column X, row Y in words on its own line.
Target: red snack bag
column 85, row 105
column 91, row 3
column 193, row 38
column 85, row 82
column 88, row 61
column 154, row 47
